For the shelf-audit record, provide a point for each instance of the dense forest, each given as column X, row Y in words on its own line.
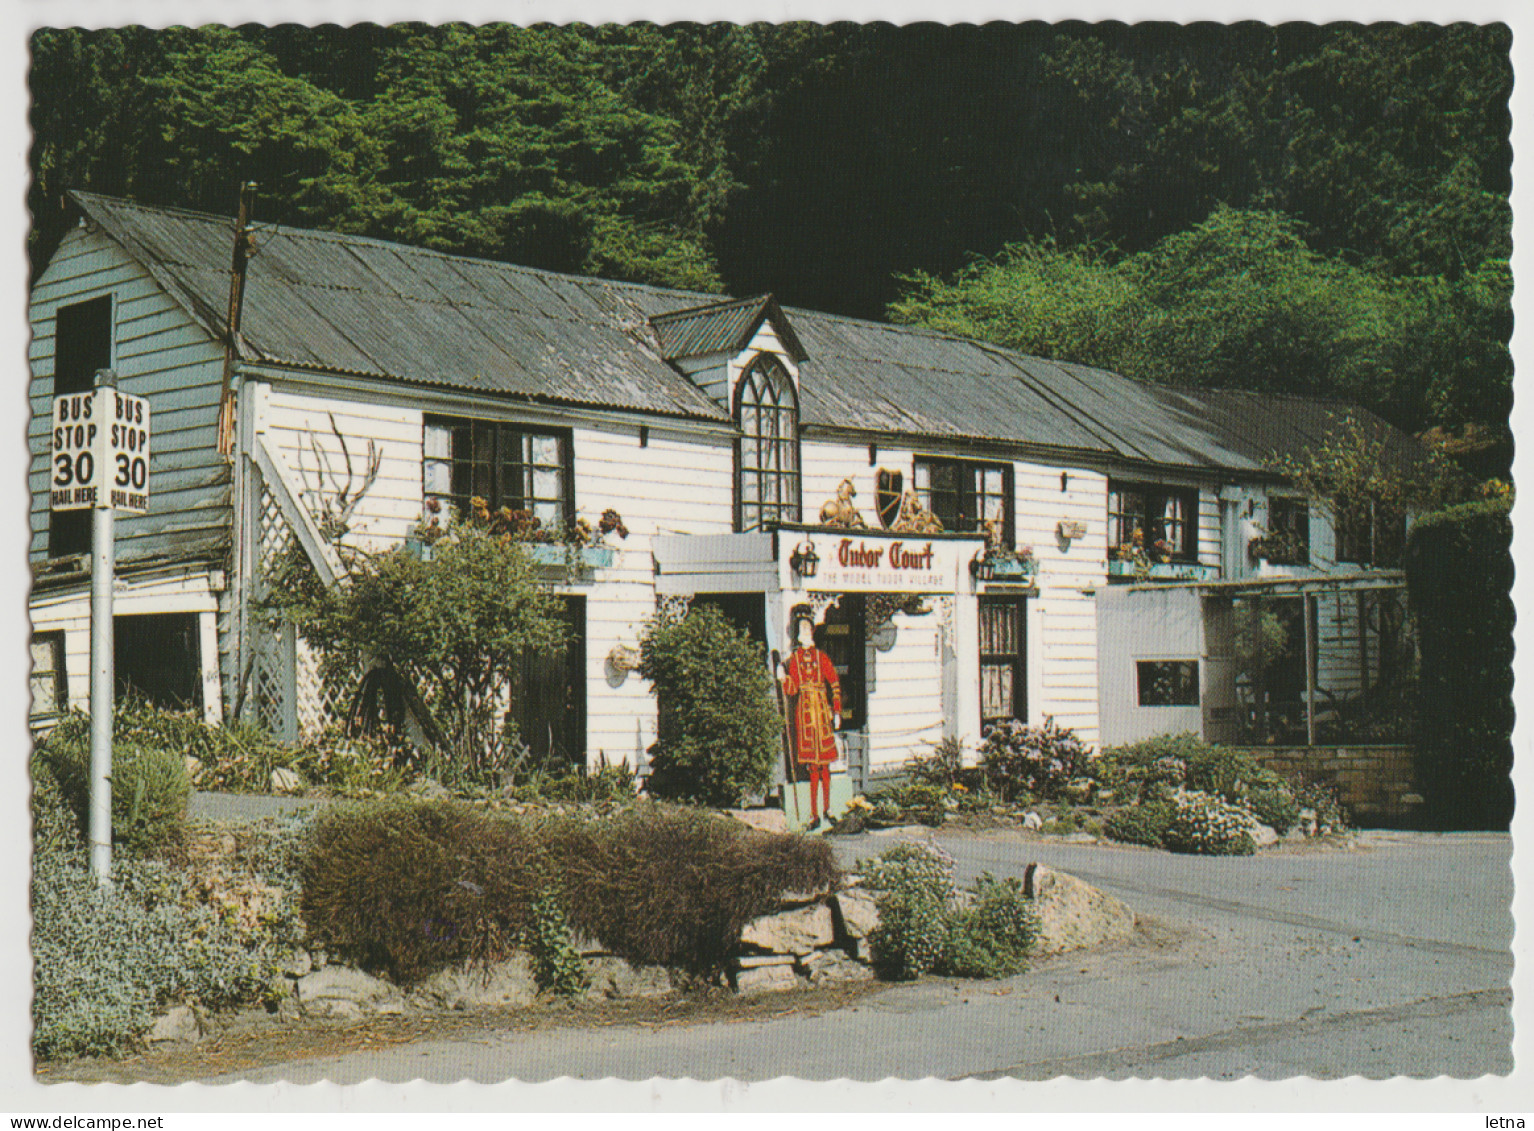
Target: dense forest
column 1293, row 208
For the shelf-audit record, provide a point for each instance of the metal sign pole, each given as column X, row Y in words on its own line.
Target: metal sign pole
column 103, row 667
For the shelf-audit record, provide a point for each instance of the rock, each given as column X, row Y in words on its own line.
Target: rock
column 612, row 977
column 791, row 932
column 1078, row 838
column 1074, row 914
column 340, row 991
column 856, row 913
column 830, row 966
column 793, row 898
column 751, row 961
column 766, row 979
column 1032, row 820
column 768, row 820
column 284, row 780
column 299, row 965
column 468, row 986
column 179, row 1025
column 1262, row 835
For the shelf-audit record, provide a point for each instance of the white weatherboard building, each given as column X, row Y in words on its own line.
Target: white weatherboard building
column 717, row 429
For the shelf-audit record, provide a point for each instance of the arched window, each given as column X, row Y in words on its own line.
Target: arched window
column 768, row 487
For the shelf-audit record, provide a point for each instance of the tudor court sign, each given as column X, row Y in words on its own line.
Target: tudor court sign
column 100, row 451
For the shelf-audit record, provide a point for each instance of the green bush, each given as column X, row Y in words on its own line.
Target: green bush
column 1017, row 759
column 1274, row 807
column 923, row 928
column 1459, row 577
column 991, row 938
column 455, row 625
column 150, row 786
column 411, row 886
column 913, row 801
column 1205, row 825
column 913, row 887
column 718, row 731
column 556, row 965
column 1145, row 823
column 106, row 960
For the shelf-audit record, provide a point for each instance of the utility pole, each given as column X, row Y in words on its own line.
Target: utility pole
column 244, row 248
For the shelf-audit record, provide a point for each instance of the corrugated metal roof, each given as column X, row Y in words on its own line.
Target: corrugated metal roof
column 721, row 327
column 362, row 306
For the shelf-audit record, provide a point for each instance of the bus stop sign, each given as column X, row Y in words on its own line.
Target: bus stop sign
column 100, row 451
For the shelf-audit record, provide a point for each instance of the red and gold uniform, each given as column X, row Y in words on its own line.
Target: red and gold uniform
column 812, row 677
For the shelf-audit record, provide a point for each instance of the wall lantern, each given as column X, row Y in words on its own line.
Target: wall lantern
column 981, row 568
column 804, row 559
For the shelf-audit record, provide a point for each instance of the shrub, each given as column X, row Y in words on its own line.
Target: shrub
column 914, row 887
column 1018, row 759
column 922, row 928
column 150, row 786
column 991, row 938
column 913, row 801
column 1145, row 823
column 718, row 730
column 1459, row 577
column 107, row 959
column 660, row 885
column 556, row 965
column 455, row 625
column 1207, row 826
column 1275, row 808
column 410, row 886
column 942, row 765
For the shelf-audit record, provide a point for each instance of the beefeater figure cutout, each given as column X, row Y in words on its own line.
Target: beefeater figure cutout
column 809, row 680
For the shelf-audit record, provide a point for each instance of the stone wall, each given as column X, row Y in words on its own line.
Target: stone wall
column 1377, row 784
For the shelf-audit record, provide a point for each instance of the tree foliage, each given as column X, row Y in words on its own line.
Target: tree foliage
column 1240, row 300
column 602, row 150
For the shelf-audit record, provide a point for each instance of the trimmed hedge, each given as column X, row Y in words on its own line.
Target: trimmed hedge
column 411, row 886
column 1459, row 579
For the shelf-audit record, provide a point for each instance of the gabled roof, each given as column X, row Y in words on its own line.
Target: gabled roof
column 348, row 304
column 352, row 305
column 722, row 327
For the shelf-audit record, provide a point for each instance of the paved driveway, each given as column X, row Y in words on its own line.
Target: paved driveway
column 1391, row 959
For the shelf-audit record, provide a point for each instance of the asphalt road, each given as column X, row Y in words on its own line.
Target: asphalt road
column 1389, row 959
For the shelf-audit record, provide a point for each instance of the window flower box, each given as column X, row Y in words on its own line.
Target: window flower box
column 555, row 554
column 1165, row 571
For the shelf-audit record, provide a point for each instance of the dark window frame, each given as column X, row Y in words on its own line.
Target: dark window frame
column 83, row 342
column 1182, row 691
column 1155, row 497
column 967, row 492
column 1018, row 659
column 504, row 438
column 787, row 481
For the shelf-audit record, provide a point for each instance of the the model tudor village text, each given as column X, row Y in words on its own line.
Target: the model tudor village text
column 542, row 587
